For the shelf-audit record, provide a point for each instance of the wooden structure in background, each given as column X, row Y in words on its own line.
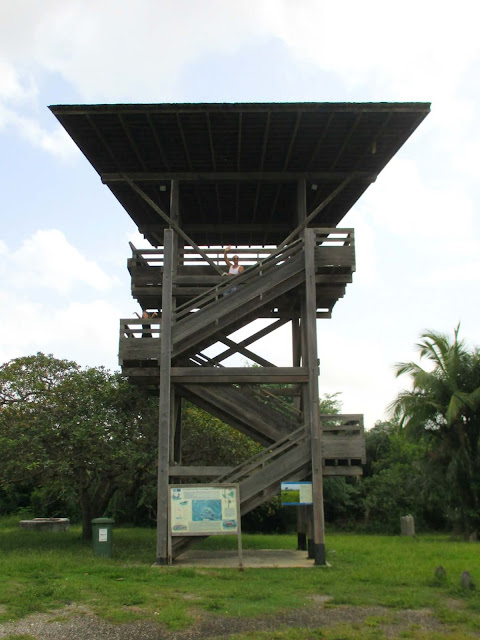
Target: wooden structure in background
column 273, row 180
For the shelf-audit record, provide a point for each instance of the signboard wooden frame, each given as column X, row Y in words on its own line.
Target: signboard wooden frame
column 205, row 510
column 296, row 493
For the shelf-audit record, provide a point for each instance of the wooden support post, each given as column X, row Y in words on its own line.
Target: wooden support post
column 165, row 402
column 301, row 528
column 296, row 362
column 177, row 258
column 297, row 355
column 311, row 409
column 175, row 217
column 177, row 437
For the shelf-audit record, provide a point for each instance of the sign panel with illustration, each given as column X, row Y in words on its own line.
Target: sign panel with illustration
column 204, row 509
column 296, row 493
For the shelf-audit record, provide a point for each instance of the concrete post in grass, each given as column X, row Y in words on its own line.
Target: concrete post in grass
column 407, row 525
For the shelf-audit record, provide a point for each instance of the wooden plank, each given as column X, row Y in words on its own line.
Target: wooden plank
column 229, row 176
column 342, row 471
column 253, row 338
column 237, row 348
column 181, row 471
column 239, row 375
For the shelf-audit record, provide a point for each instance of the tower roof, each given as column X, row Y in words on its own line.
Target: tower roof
column 238, row 164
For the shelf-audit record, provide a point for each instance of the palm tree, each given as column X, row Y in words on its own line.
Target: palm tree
column 443, row 407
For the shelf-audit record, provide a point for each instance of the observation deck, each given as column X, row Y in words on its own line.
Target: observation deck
column 270, row 287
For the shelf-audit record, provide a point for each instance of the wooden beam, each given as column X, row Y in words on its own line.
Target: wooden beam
column 234, row 176
column 228, row 228
column 246, row 107
column 316, row 211
column 292, row 141
column 159, row 145
column 181, row 471
column 172, row 224
column 245, row 352
column 132, row 142
column 239, row 375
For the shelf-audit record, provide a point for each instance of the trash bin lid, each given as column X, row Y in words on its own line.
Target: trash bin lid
column 103, row 521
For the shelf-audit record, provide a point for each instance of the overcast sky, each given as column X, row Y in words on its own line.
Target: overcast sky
column 64, row 238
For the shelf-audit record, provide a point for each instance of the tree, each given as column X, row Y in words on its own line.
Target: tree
column 67, row 430
column 443, row 407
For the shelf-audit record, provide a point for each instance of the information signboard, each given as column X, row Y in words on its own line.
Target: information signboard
column 199, row 510
column 296, row 493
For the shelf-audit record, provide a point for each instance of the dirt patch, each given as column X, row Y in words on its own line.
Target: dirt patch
column 78, row 623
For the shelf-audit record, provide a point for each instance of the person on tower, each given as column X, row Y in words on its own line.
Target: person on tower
column 233, row 267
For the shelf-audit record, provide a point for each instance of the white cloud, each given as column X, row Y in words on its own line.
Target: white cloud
column 403, row 202
column 101, row 47
column 413, row 51
column 86, row 333
column 11, row 85
column 49, row 261
column 462, row 272
column 119, row 50
column 366, row 239
column 57, row 142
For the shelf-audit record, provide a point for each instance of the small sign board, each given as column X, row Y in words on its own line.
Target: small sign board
column 204, row 510
column 296, row 493
column 103, row 535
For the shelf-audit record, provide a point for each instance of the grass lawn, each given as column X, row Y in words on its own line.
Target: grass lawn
column 42, row 572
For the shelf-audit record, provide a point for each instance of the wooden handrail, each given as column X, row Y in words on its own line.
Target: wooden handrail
column 246, row 254
column 280, row 255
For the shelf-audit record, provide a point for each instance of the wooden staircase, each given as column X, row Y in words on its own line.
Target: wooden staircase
column 239, row 396
column 199, row 322
column 259, row 477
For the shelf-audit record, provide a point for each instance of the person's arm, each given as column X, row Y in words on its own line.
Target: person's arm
column 225, row 257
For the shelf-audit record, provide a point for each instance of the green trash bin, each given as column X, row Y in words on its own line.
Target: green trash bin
column 102, row 536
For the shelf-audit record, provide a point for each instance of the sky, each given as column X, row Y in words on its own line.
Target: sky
column 64, row 238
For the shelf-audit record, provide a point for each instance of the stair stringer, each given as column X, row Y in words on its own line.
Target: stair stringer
column 242, row 410
column 219, row 315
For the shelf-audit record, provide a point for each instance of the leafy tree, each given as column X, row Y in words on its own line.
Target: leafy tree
column 397, row 483
column 73, row 432
column 443, row 409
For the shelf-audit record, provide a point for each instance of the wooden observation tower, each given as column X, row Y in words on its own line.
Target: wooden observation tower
column 274, row 181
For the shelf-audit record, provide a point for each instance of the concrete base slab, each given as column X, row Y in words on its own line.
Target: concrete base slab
column 261, row 558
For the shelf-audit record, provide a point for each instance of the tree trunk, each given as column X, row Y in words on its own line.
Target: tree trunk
column 85, row 507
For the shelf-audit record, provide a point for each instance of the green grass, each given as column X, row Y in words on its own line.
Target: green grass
column 42, row 572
